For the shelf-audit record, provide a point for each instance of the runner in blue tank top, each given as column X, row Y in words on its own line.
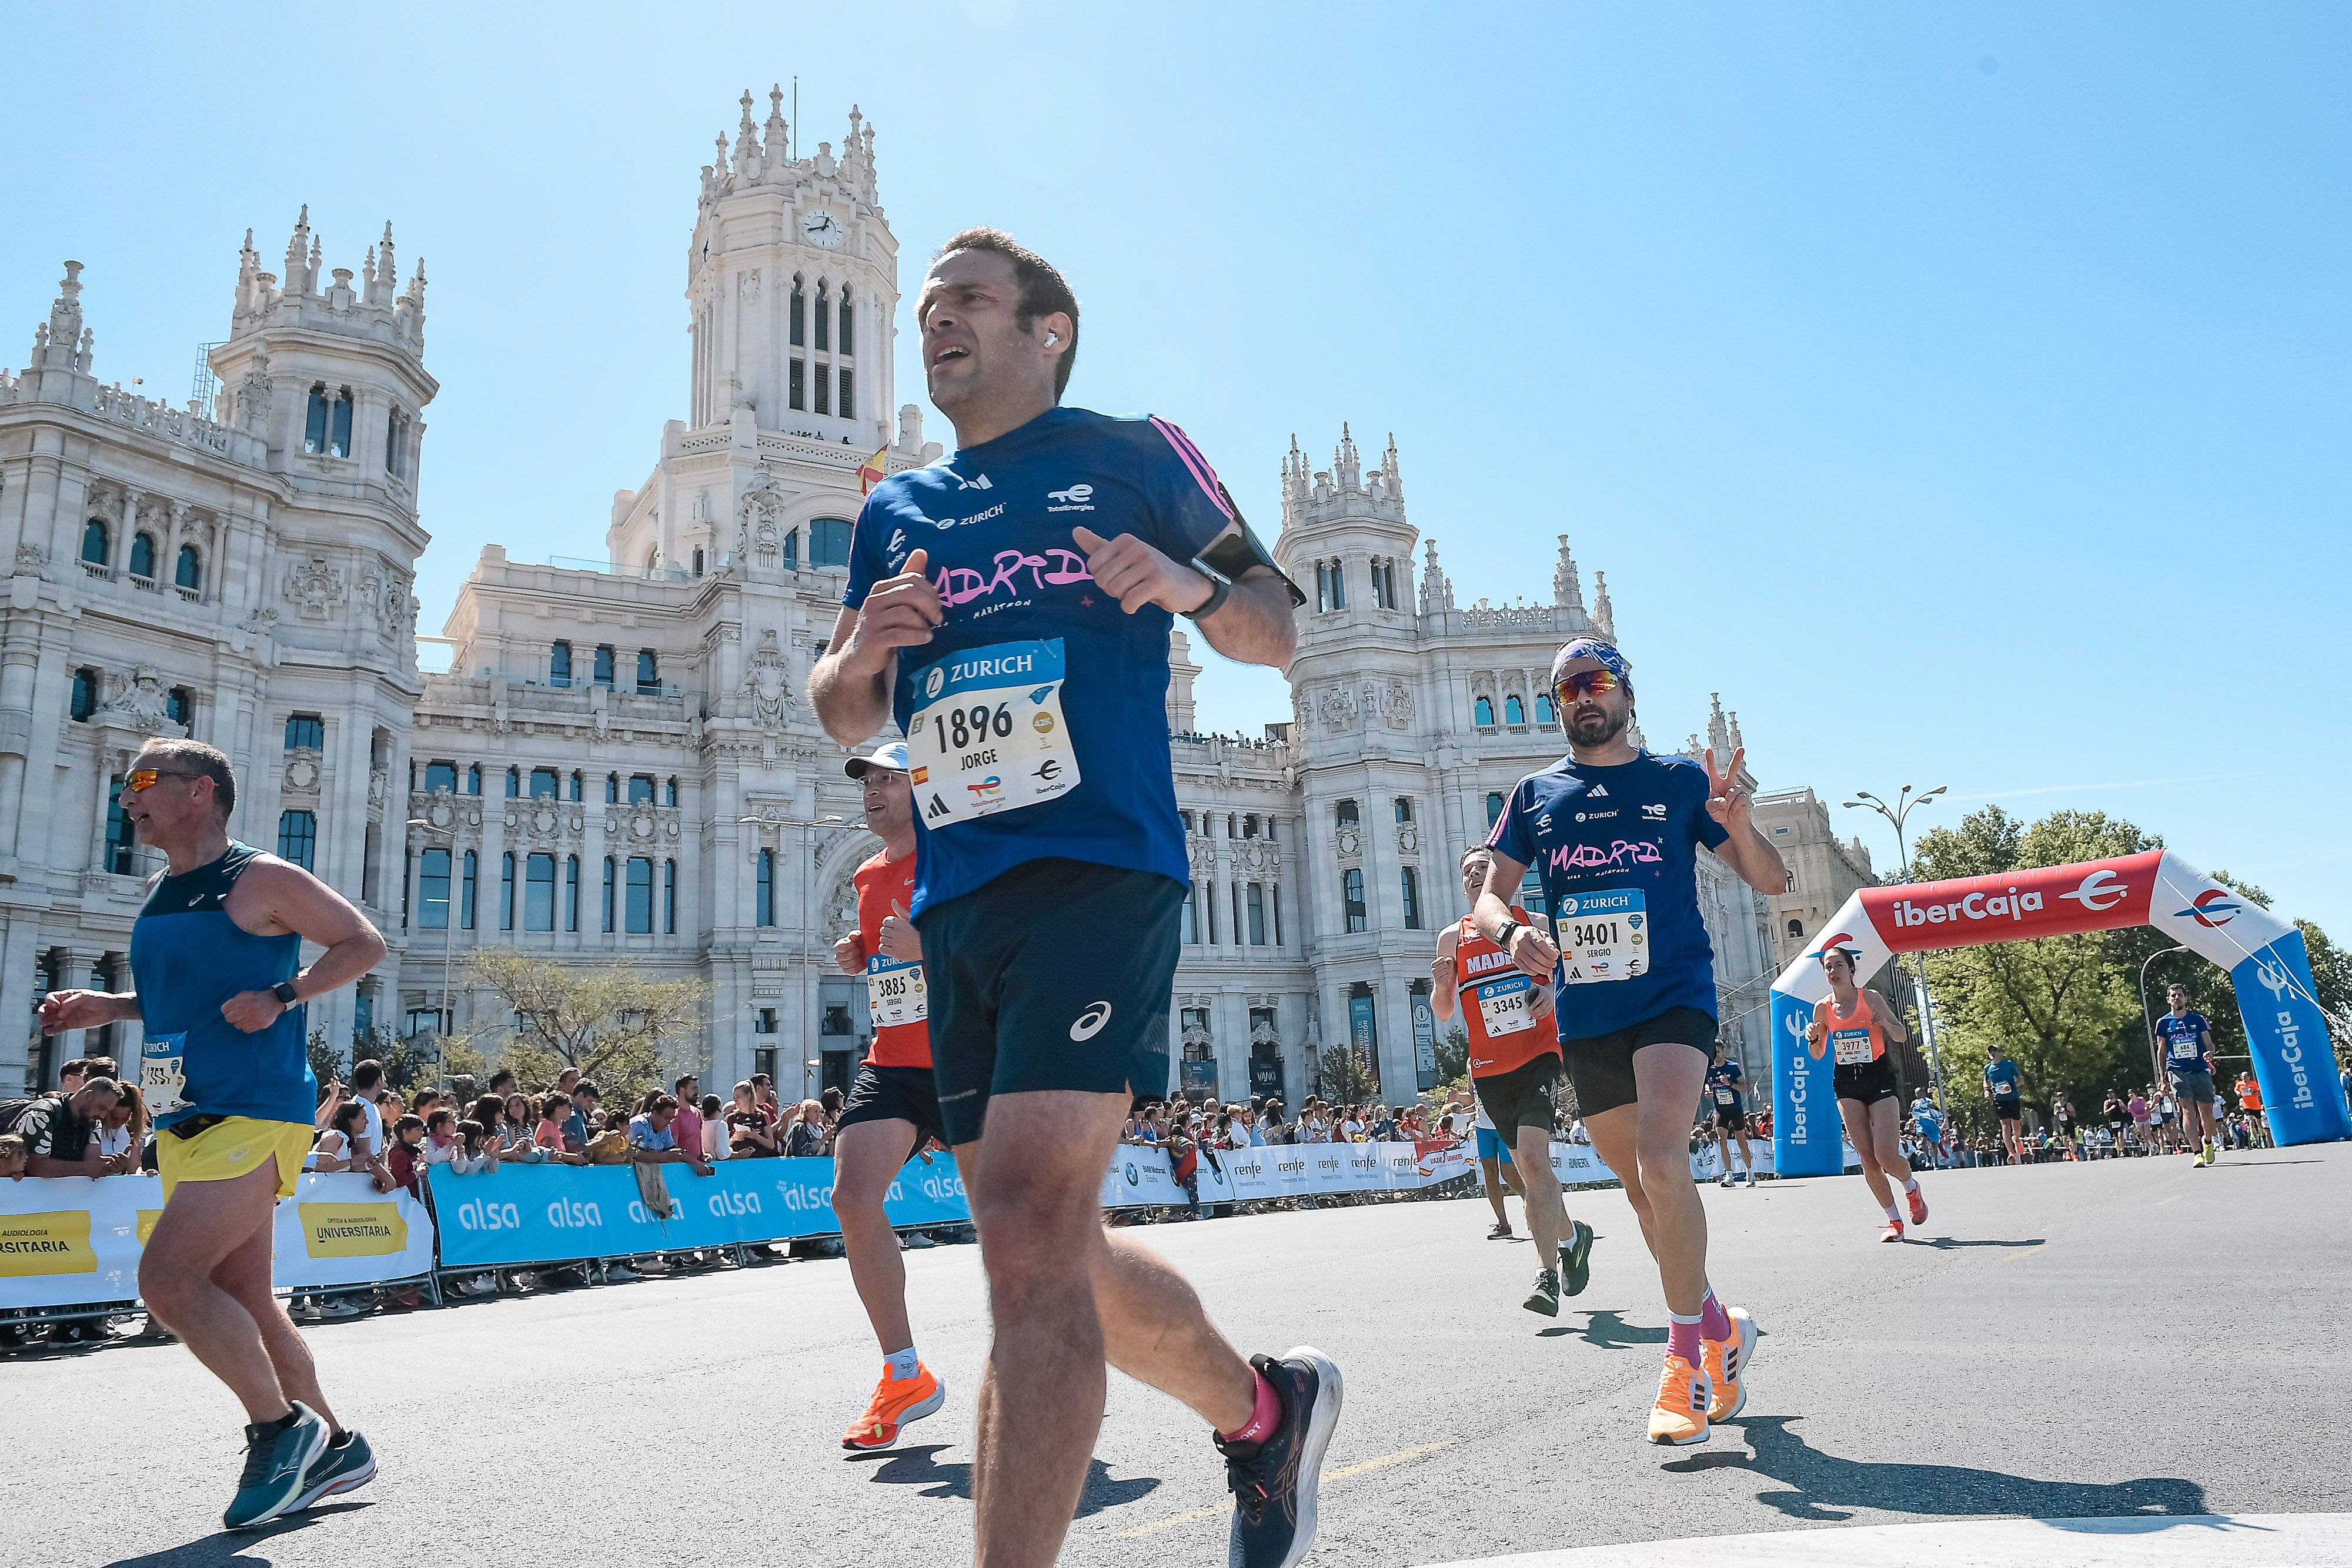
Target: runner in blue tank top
column 1010, row 609
column 219, row 990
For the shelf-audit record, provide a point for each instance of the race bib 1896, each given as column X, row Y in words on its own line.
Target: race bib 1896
column 161, row 1081
column 894, row 991
column 1602, row 936
column 987, row 734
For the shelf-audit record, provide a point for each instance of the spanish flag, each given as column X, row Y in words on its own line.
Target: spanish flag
column 871, row 471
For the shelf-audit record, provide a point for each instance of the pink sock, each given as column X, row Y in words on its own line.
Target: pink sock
column 1682, row 1337
column 1265, row 1416
column 1714, row 1322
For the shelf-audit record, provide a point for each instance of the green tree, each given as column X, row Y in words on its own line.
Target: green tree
column 616, row 1027
column 403, row 1065
column 2066, row 1007
column 1452, row 1054
column 326, row 1061
column 1344, row 1077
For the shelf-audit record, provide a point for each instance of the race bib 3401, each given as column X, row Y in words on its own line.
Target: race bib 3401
column 1603, row 937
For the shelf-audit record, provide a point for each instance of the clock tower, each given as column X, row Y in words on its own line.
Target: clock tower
column 793, row 281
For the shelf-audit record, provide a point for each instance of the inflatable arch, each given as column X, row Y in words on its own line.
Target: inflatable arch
column 2263, row 954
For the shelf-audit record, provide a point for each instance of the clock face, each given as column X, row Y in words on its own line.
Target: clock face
column 823, row 229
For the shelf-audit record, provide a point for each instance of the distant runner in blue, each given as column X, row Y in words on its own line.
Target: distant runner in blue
column 2005, row 1087
column 1613, row 833
column 1010, row 609
column 2184, row 1040
column 1928, row 1122
column 1728, row 1116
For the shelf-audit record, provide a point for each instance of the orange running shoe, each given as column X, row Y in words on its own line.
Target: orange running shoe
column 896, row 1401
column 1725, row 1362
column 1893, row 1231
column 1918, row 1201
column 1679, row 1418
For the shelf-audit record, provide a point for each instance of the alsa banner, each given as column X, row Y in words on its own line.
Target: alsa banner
column 68, row 1241
column 552, row 1214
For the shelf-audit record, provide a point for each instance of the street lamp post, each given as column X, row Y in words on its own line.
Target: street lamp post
column 449, row 929
column 1903, row 803
column 808, row 846
column 2154, row 1063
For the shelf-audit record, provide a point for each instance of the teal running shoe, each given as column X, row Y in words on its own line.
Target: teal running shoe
column 275, row 1458
column 337, row 1470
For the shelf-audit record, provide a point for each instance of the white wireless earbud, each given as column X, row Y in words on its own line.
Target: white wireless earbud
column 1051, row 338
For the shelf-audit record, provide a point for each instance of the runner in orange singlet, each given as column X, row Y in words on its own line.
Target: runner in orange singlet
column 1856, row 1023
column 892, row 1107
column 1514, row 1062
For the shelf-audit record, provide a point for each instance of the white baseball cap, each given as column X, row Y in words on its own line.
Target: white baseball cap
column 892, row 756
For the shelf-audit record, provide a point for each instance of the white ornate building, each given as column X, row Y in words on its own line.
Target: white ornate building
column 620, row 762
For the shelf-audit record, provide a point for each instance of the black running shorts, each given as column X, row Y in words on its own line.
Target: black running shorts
column 1520, row 1097
column 1601, row 1066
column 1868, row 1081
column 1729, row 1120
column 2011, row 1109
column 1056, row 974
column 895, row 1094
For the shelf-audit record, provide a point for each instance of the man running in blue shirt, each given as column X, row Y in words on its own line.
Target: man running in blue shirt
column 2186, row 1040
column 2005, row 1087
column 217, row 985
column 1728, row 1104
column 1615, row 833
column 1928, row 1122
column 1010, row 608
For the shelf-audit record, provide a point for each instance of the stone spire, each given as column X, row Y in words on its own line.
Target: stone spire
column 62, row 341
column 1736, row 743
column 1566, row 589
column 1604, row 617
column 386, row 276
column 1388, row 467
column 747, row 143
column 1295, row 481
column 780, row 136
column 1718, row 734
column 298, row 254
column 1436, row 590
column 1346, row 468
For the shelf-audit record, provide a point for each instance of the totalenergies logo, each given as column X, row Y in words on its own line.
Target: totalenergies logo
column 2211, row 908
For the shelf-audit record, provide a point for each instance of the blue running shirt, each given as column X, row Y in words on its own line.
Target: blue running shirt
column 1930, row 1123
column 2184, row 1042
column 187, row 958
column 1723, row 1079
column 1617, row 851
column 1036, row 718
column 2001, row 1077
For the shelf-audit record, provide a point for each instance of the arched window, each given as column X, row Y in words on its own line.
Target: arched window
column 828, row 542
column 1796, row 930
column 179, row 706
column 1482, row 713
column 1513, row 713
column 764, row 900
column 298, row 837
column 823, row 299
column 1543, row 707
column 848, row 339
column 327, row 426
column 697, row 560
column 190, row 572
column 142, row 554
column 799, row 311
column 95, row 541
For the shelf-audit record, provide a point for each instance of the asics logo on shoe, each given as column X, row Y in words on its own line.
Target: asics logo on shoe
column 1090, row 1022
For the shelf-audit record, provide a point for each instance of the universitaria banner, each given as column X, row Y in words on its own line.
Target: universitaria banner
column 68, row 1241
column 2285, row 1030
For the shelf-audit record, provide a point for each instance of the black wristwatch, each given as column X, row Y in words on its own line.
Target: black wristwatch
column 283, row 991
column 1510, row 928
column 1219, row 592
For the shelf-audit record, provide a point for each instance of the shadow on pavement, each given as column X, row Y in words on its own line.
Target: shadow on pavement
column 232, row 1549
column 1945, row 1244
column 1827, row 1488
column 919, row 1467
column 1607, row 1330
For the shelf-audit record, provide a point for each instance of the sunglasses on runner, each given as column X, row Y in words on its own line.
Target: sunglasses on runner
column 1586, row 684
column 144, row 779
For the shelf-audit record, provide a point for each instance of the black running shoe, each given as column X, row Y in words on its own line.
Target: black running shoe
column 1576, row 1263
column 1274, row 1481
column 1545, row 1297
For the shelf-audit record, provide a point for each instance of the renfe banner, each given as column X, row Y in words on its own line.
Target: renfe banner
column 2287, row 1032
column 70, row 1241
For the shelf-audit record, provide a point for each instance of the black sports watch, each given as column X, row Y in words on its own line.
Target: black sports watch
column 1510, row 928
column 1219, row 592
column 283, row 991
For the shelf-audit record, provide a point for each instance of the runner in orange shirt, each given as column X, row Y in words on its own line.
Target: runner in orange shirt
column 1856, row 1022
column 893, row 1108
column 1513, row 1064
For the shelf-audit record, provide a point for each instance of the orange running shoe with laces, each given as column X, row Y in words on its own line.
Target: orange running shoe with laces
column 1725, row 1362
column 1893, row 1231
column 1918, row 1201
column 896, row 1403
column 1679, row 1417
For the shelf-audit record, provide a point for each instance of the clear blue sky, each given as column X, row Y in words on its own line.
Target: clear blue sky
column 1960, row 391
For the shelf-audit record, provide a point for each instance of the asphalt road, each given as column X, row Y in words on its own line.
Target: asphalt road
column 2127, row 1338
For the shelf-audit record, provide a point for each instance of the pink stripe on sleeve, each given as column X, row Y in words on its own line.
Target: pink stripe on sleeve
column 1202, row 474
